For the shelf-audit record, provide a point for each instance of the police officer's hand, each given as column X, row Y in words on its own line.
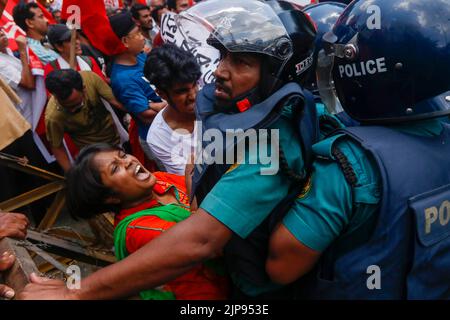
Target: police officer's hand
column 41, row 288
column 13, row 225
column 6, row 262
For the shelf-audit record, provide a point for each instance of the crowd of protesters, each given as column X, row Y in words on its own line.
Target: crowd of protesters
column 124, row 129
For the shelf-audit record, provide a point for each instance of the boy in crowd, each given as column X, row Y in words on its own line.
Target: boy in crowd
column 174, row 72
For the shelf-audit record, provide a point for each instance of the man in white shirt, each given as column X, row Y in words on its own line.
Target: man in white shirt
column 17, row 73
column 171, row 137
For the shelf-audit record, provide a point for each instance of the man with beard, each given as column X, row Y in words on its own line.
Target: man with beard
column 32, row 20
column 143, row 19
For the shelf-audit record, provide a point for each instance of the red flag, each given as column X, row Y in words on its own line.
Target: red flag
column 7, row 22
column 47, row 14
column 95, row 25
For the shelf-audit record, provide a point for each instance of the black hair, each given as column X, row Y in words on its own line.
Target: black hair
column 155, row 12
column 61, row 83
column 172, row 4
column 169, row 64
column 21, row 12
column 136, row 8
column 85, row 192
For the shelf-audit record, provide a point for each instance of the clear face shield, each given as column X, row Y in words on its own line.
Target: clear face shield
column 239, row 26
column 324, row 69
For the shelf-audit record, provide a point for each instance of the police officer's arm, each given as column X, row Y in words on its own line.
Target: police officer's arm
column 288, row 258
column 198, row 238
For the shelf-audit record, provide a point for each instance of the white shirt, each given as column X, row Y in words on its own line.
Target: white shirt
column 10, row 68
column 11, row 71
column 171, row 149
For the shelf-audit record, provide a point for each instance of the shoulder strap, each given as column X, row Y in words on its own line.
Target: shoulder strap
column 308, row 130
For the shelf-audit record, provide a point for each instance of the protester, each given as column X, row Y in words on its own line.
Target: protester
column 31, row 19
column 157, row 14
column 157, row 3
column 89, row 50
column 57, row 15
column 127, row 79
column 171, row 139
column 143, row 19
column 105, row 178
column 59, row 37
column 376, row 205
column 76, row 108
column 229, row 207
column 17, row 73
column 17, row 138
column 178, row 6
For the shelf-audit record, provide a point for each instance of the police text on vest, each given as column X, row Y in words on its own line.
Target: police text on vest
column 433, row 213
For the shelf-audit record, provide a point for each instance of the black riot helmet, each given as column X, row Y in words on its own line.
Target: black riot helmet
column 276, row 30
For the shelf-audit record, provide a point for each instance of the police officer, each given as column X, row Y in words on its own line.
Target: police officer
column 264, row 51
column 373, row 222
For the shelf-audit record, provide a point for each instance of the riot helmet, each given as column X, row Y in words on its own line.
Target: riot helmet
column 252, row 26
column 391, row 59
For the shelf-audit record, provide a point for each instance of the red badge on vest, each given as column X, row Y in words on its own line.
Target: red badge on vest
column 243, row 105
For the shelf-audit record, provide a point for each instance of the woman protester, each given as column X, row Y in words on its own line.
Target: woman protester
column 104, row 178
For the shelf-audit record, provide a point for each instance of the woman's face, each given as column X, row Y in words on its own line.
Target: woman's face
column 125, row 175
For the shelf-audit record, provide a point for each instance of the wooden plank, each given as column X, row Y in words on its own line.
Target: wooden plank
column 53, row 212
column 46, row 267
column 65, row 248
column 31, row 196
column 14, row 162
column 18, row 276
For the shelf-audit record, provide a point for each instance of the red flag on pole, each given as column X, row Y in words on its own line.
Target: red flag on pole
column 95, row 25
column 9, row 27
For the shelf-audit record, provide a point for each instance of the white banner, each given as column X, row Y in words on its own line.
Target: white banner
column 207, row 56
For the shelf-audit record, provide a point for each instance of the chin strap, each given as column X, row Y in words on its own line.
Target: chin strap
column 241, row 103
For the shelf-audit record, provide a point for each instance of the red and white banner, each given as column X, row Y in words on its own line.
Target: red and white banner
column 9, row 27
column 116, row 4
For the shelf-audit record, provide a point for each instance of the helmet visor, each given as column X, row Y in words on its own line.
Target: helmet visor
column 325, row 83
column 239, row 26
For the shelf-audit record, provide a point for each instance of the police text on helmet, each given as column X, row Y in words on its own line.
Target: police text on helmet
column 363, row 68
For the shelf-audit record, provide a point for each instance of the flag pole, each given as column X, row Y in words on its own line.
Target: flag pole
column 73, row 39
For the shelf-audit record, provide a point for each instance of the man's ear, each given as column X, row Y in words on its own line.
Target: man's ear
column 29, row 23
column 58, row 47
column 125, row 42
